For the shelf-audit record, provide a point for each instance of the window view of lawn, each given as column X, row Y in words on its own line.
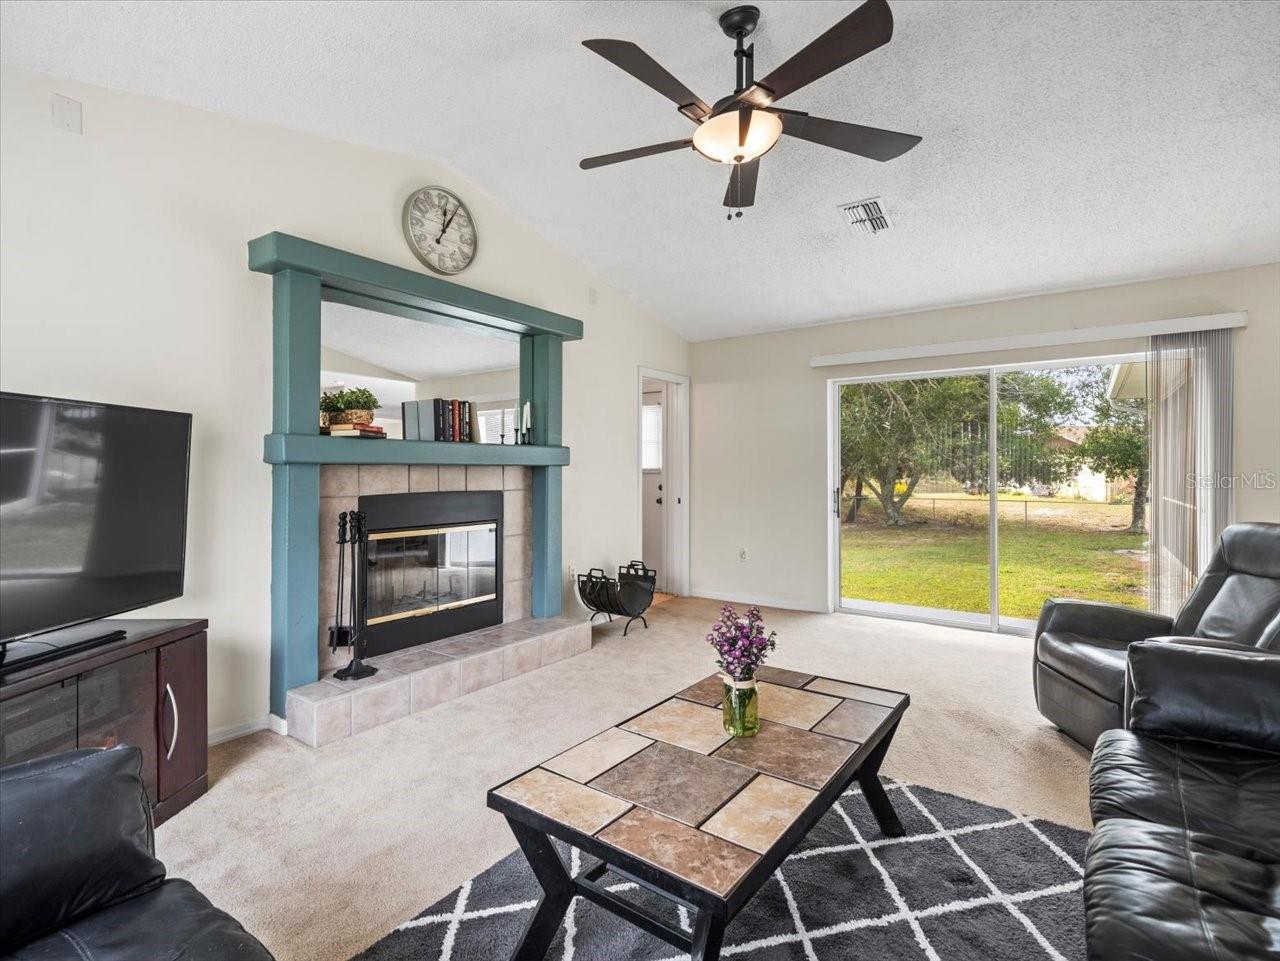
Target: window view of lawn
column 1069, row 467
column 1048, row 548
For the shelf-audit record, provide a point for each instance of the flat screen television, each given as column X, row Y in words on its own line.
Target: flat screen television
column 93, row 512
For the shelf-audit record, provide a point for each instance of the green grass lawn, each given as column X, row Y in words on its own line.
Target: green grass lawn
column 940, row 558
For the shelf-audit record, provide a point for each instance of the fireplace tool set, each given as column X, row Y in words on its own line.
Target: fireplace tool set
column 353, row 540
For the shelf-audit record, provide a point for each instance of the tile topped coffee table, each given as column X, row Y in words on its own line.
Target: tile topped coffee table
column 670, row 801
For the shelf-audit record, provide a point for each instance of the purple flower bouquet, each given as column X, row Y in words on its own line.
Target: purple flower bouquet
column 742, row 646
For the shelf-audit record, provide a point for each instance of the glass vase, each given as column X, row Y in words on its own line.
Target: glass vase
column 741, row 707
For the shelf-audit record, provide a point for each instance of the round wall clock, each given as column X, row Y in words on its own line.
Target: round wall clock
column 439, row 230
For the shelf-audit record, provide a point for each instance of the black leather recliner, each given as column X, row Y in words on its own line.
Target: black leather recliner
column 79, row 880
column 1184, row 861
column 1080, row 646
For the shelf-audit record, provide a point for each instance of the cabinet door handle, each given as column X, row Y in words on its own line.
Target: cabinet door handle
column 173, row 742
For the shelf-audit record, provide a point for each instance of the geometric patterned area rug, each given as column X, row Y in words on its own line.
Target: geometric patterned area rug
column 968, row 882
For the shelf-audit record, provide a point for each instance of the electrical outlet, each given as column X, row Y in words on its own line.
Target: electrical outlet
column 742, row 554
column 67, row 114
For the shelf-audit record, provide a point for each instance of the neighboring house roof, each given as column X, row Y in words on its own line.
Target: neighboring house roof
column 1069, row 435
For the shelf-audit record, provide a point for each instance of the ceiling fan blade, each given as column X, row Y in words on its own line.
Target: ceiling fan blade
column 742, row 184
column 744, row 124
column 625, row 54
column 612, row 158
column 868, row 27
column 870, row 142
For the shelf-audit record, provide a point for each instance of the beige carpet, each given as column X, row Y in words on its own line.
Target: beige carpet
column 321, row 852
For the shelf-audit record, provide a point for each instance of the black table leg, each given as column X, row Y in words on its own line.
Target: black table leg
column 557, row 892
column 708, row 933
column 873, row 791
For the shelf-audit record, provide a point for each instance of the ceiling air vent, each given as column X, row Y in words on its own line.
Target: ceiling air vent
column 866, row 216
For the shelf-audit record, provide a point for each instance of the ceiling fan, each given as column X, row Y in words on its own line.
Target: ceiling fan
column 745, row 125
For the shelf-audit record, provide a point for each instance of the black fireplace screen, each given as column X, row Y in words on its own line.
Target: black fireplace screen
column 417, row 572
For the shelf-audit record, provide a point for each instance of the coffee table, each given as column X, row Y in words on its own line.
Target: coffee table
column 668, row 800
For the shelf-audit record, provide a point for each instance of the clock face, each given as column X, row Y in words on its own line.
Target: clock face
column 439, row 230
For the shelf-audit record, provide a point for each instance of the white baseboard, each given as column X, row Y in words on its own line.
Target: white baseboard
column 277, row 725
column 222, row 734
column 784, row 604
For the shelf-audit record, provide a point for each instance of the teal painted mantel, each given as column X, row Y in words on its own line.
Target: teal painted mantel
column 304, row 274
column 319, row 449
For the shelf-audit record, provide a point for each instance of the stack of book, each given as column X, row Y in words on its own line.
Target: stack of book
column 353, row 430
column 441, row 420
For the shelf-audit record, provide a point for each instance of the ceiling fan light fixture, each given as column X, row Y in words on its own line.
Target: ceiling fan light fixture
column 717, row 137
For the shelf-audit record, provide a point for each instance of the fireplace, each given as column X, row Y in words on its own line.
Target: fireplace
column 434, row 566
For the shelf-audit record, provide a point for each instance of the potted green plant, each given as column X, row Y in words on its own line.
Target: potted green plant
column 352, row 406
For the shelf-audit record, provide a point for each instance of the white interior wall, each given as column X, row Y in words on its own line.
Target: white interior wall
column 124, row 279
column 337, row 361
column 483, row 386
column 759, row 413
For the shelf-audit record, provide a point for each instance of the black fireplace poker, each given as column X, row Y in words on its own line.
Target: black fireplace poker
column 357, row 542
column 339, row 632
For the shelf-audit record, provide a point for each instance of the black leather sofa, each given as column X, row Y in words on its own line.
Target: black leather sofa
column 1080, row 647
column 1184, row 861
column 79, row 880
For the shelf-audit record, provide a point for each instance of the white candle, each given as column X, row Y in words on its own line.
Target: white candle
column 527, row 418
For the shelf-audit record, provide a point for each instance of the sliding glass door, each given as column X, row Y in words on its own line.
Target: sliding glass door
column 1072, row 483
column 915, row 516
column 970, row 499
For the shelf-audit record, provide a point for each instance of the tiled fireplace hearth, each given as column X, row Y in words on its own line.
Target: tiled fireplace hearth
column 422, row 677
column 419, row 676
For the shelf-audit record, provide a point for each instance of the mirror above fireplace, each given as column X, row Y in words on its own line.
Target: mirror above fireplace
column 403, row 361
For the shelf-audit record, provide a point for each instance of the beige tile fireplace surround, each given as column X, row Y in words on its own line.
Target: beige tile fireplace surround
column 418, row 678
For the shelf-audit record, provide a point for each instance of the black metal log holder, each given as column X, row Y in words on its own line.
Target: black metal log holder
column 629, row 596
column 354, row 538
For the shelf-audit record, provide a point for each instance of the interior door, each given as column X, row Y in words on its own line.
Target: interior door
column 184, row 723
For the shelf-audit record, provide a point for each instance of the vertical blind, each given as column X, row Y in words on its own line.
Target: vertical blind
column 497, row 423
column 1189, row 388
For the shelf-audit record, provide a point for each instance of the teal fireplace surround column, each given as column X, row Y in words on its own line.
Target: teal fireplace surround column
column 304, row 274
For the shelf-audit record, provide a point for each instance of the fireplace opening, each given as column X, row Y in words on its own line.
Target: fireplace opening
column 433, row 564
column 425, row 571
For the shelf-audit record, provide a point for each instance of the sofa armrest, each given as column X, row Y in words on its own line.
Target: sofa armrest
column 1202, row 690
column 75, row 837
column 1101, row 620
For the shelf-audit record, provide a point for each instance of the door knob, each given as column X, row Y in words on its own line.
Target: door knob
column 659, row 500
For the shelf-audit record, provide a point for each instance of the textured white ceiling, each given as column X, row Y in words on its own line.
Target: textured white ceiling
column 1065, row 144
column 420, row 351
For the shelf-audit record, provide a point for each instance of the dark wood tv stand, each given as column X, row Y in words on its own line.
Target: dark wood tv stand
column 148, row 688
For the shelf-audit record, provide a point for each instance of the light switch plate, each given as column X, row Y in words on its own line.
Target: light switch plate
column 67, row 114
